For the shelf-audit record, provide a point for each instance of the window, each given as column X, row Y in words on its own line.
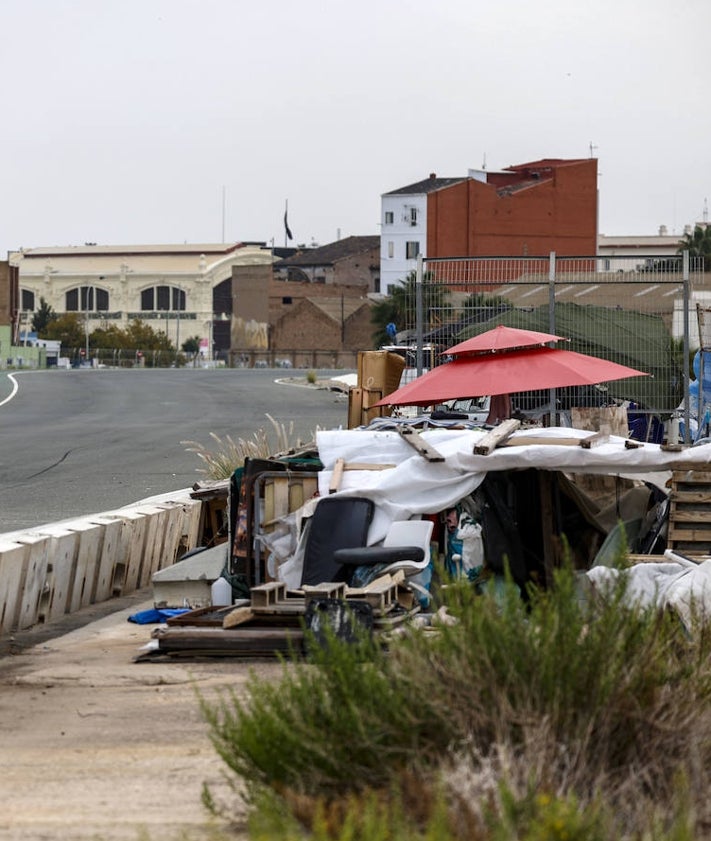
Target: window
column 389, row 217
column 413, row 215
column 168, row 298
column 412, row 249
column 391, row 250
column 86, row 299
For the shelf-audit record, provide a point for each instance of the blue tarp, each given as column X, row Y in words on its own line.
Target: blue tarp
column 155, row 614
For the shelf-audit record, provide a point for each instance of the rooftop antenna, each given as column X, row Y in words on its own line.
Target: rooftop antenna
column 592, row 149
column 483, row 163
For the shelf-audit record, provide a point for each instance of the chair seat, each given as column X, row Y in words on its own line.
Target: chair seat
column 369, row 555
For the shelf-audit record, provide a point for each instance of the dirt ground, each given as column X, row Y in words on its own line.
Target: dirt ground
column 95, row 746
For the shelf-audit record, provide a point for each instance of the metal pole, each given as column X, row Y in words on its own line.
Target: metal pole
column 419, row 315
column 551, row 327
column 86, row 352
column 685, row 377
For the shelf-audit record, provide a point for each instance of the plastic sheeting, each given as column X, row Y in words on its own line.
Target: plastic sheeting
column 679, row 585
column 411, row 485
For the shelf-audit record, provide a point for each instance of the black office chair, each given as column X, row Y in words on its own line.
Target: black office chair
column 337, row 523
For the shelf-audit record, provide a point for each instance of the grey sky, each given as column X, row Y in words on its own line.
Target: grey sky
column 125, row 121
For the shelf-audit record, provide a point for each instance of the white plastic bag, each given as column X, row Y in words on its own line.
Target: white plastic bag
column 469, row 532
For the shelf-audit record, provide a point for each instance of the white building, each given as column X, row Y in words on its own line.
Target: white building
column 403, row 228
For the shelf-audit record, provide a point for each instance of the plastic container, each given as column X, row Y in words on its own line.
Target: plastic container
column 221, row 592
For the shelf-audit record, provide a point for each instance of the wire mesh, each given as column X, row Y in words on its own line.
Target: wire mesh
column 630, row 310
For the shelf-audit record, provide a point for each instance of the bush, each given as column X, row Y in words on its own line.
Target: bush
column 590, row 705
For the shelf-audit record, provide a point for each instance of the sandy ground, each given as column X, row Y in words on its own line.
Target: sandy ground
column 95, row 746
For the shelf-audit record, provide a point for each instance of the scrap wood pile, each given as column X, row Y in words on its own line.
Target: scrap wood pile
column 276, row 620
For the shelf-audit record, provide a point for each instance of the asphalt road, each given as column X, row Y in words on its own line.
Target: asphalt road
column 80, row 442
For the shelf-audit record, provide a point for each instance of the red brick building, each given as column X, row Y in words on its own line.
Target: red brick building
column 529, row 210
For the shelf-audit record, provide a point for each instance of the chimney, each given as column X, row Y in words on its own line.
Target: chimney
column 662, row 230
column 433, row 175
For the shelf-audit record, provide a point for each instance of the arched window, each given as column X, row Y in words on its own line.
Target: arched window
column 169, row 298
column 86, row 299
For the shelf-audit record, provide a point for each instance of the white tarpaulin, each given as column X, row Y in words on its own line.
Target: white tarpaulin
column 677, row 584
column 411, row 485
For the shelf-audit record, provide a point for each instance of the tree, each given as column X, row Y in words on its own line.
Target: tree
column 399, row 308
column 698, row 244
column 44, row 316
column 142, row 336
column 191, row 347
column 68, row 329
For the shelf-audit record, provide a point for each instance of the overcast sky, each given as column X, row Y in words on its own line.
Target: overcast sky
column 169, row 121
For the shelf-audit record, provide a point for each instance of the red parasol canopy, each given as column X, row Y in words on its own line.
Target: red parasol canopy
column 502, row 338
column 527, row 369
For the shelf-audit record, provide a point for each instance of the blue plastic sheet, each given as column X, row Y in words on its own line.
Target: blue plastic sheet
column 156, row 615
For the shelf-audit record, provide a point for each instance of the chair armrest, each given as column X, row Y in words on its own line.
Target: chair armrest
column 370, row 555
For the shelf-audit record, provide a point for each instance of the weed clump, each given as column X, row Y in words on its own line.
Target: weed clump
column 555, row 717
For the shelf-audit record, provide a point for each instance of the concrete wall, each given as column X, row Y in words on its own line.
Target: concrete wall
column 56, row 569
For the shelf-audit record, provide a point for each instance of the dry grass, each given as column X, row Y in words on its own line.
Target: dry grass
column 228, row 454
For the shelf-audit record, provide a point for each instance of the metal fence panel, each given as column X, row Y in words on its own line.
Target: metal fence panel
column 630, row 310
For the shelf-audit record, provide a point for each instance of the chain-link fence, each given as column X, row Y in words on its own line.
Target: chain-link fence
column 630, row 310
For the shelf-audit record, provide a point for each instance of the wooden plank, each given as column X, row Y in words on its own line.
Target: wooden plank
column 336, row 476
column 691, row 535
column 236, row 617
column 35, row 575
column 412, row 437
column 690, row 516
column 702, row 497
column 534, row 440
column 494, row 438
column 63, row 546
column 129, row 553
column 594, row 440
column 102, row 587
column 233, row 642
column 13, row 568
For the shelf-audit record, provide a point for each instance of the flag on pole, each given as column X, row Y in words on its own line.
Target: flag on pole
column 287, row 230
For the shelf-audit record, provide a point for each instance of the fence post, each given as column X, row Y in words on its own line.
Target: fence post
column 551, row 328
column 419, row 315
column 685, row 364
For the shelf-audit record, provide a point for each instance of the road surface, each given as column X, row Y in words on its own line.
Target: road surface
column 84, row 441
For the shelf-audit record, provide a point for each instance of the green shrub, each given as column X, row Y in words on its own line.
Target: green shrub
column 593, row 704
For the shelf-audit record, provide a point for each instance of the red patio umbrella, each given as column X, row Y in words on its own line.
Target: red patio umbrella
column 528, row 369
column 502, row 338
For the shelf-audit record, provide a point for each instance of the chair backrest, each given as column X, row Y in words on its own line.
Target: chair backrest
column 337, row 523
column 410, row 533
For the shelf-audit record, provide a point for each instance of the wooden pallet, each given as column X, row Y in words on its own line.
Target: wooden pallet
column 690, row 512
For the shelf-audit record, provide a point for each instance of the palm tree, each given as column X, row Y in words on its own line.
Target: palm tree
column 698, row 244
column 398, row 307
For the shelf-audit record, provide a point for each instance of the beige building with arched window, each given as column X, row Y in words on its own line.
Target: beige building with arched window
column 182, row 290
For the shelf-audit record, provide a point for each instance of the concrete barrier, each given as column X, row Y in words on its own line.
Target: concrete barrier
column 59, row 568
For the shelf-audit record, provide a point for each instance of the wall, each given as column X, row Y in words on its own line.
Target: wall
column 60, row 568
column 395, row 269
column 558, row 214
column 307, row 327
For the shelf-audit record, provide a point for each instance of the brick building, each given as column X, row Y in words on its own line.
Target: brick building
column 525, row 210
column 285, row 315
column 353, row 261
